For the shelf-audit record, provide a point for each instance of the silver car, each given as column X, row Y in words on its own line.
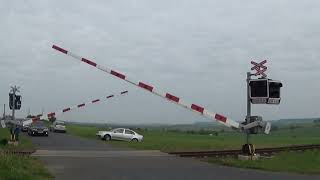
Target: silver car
column 122, row 134
column 58, row 126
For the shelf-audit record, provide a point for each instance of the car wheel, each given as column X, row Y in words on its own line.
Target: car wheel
column 107, row 137
column 134, row 140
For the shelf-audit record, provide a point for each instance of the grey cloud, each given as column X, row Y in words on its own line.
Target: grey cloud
column 198, row 50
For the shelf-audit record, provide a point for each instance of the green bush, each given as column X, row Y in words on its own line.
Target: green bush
column 3, row 142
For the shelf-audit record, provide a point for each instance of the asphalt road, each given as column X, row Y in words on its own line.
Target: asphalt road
column 70, row 157
column 64, row 141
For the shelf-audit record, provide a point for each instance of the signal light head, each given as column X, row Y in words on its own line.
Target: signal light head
column 264, row 91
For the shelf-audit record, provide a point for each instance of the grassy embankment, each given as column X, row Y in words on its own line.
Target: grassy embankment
column 20, row 167
column 307, row 162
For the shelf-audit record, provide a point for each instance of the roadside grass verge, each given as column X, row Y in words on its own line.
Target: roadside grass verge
column 82, row 131
column 307, row 162
column 20, row 167
column 24, row 142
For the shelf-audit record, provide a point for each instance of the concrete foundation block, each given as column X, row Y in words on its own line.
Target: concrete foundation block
column 14, row 143
column 247, row 157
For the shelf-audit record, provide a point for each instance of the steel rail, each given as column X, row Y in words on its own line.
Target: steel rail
column 235, row 152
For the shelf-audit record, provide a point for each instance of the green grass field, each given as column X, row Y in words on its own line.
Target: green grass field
column 306, row 162
column 20, row 167
column 182, row 141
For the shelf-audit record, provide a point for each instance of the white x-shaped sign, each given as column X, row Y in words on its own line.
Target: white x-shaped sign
column 260, row 68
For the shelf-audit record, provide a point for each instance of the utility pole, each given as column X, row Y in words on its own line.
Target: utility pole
column 3, row 121
column 248, row 106
column 28, row 114
column 4, row 111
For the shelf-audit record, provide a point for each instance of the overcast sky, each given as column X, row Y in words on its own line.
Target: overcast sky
column 197, row 50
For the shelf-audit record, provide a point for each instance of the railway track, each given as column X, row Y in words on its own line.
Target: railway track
column 217, row 153
column 235, row 152
column 22, row 152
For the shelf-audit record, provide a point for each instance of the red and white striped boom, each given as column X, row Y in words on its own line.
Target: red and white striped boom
column 175, row 99
column 67, row 109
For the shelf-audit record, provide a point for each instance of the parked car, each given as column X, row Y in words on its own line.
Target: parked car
column 122, row 134
column 25, row 128
column 58, row 126
column 38, row 128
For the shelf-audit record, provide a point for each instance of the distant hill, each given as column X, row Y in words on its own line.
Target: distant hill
column 193, row 126
column 115, row 125
column 294, row 121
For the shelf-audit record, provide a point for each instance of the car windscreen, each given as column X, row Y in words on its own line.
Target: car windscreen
column 38, row 125
column 118, row 131
column 129, row 132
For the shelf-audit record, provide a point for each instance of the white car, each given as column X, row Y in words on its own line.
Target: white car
column 58, row 126
column 122, row 134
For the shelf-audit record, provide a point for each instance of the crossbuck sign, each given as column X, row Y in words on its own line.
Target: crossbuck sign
column 260, row 68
